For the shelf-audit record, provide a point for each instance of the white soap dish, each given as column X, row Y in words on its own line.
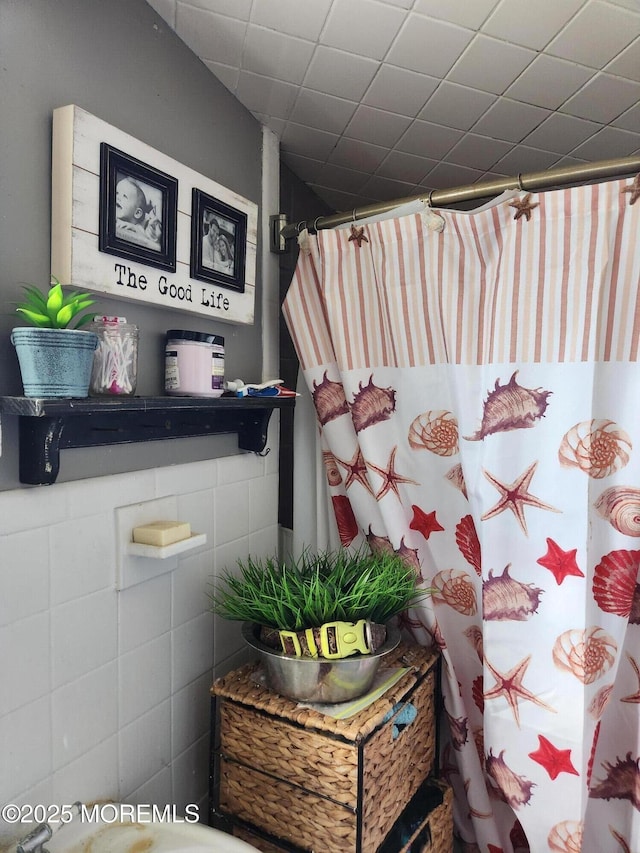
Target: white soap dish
column 162, row 552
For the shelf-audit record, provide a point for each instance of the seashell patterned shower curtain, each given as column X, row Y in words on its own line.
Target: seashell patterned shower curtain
column 477, row 392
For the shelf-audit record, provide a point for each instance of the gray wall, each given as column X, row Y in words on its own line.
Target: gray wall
column 120, row 61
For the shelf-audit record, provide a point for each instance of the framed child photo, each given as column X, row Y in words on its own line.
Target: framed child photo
column 138, row 210
column 218, row 242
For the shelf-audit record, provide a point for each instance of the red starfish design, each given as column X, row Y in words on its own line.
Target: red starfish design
column 560, row 563
column 524, row 207
column 515, row 496
column 357, row 470
column 554, row 760
column 493, row 849
column 357, row 235
column 424, row 522
column 634, row 189
column 391, row 479
column 510, row 686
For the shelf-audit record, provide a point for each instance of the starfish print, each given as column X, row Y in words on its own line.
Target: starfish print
column 524, row 207
column 560, row 563
column 634, row 698
column 634, row 189
column 554, row 760
column 357, row 471
column 510, row 686
column 357, row 235
column 515, row 496
column 391, row 479
column 424, row 522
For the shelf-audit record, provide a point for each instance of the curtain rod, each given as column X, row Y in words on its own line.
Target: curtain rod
column 440, row 198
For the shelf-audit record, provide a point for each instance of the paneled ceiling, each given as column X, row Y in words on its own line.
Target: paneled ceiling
column 379, row 99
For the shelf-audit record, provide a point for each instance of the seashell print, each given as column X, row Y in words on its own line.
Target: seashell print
column 477, row 693
column 586, row 654
column 410, row 557
column 345, row 519
column 614, row 581
column 624, row 844
column 566, row 837
column 468, row 542
column 600, row 701
column 516, row 789
column 517, row 837
column 329, row 400
column 371, row 405
column 622, row 781
column 456, row 478
column 379, row 544
column 505, row 599
column 459, row 730
column 436, row 431
column 510, row 407
column 620, row 505
column 474, row 635
column 331, row 467
column 634, row 616
column 478, row 739
column 454, row 588
column 597, row 447
column 592, row 754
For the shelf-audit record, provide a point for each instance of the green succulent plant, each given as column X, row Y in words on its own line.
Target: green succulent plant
column 54, row 309
column 317, row 588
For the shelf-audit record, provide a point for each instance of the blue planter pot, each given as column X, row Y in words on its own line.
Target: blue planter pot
column 54, row 362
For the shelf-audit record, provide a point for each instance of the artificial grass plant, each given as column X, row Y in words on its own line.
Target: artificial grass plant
column 317, row 588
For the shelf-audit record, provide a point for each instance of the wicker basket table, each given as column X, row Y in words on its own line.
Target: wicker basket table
column 305, row 781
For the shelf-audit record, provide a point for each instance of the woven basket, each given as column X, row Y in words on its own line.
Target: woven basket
column 335, row 786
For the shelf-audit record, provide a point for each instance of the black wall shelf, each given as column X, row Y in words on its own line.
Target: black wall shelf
column 47, row 426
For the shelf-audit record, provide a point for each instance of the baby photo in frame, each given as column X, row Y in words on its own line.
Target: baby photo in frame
column 138, row 210
column 218, row 242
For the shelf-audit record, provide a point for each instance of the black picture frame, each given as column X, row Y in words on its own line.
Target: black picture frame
column 217, row 257
column 137, row 221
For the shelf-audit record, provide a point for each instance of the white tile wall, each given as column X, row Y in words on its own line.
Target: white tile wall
column 106, row 694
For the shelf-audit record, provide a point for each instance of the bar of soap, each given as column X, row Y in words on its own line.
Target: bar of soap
column 161, row 533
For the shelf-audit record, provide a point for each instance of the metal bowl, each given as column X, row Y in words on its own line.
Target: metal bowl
column 316, row 679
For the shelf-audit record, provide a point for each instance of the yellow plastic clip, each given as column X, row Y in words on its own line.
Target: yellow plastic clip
column 349, row 638
column 293, row 638
column 311, row 642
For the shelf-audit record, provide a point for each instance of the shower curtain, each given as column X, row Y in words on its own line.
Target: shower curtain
column 475, row 378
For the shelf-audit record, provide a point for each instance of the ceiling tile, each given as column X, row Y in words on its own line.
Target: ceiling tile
column 403, row 4
column 277, row 125
column 339, row 178
column 428, row 46
column 276, row 55
column 262, row 94
column 456, row 106
column 362, row 26
column 446, row 175
column 405, row 167
column 603, row 98
column 226, row 74
column 548, row 82
column 596, row 34
column 561, row 133
column 530, row 24
column 354, row 154
column 335, row 72
column 522, row 159
column 428, row 140
column 629, row 120
column 628, row 4
column 510, row 120
column 377, row 126
column 239, row 9
column 339, row 200
column 478, row 152
column 304, row 167
column 284, row 17
column 607, row 143
column 385, row 189
column 325, row 112
column 308, row 141
column 166, row 9
column 211, row 36
column 490, row 65
column 627, row 63
column 464, row 12
column 399, row 91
